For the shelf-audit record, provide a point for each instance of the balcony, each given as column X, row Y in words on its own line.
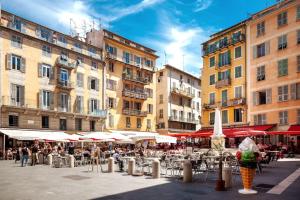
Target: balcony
column 63, row 62
column 98, row 113
column 137, row 113
column 65, row 84
column 10, row 101
column 209, row 106
column 175, row 118
column 234, row 102
column 223, row 83
column 135, row 94
column 134, row 78
column 182, row 92
column 212, row 48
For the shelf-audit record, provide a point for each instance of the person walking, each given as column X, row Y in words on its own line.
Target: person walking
column 34, row 151
column 25, row 153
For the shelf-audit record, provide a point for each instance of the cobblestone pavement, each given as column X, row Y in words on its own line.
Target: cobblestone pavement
column 43, row 182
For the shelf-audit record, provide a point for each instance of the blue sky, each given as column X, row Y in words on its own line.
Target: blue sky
column 176, row 27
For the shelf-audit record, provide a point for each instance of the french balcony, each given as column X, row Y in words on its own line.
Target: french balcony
column 65, row 84
column 136, row 79
column 12, row 101
column 65, row 108
column 134, row 94
column 137, row 113
column 64, row 62
column 182, row 92
column 223, row 83
column 98, row 113
column 234, row 102
column 207, row 106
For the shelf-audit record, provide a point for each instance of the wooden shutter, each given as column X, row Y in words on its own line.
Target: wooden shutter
column 89, row 105
column 52, row 100
column 13, row 94
column 89, row 82
column 229, row 56
column 269, row 95
column 254, row 95
column 8, row 61
column 23, row 65
column 40, row 99
column 51, row 73
column 298, row 91
column 267, row 47
column 40, row 69
column 69, row 103
column 115, row 102
column 255, row 51
column 280, row 93
column 293, row 91
column 23, row 27
column 22, row 95
column 59, row 103
column 97, row 84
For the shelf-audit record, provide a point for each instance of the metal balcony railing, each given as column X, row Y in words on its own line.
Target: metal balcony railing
column 182, row 119
column 137, row 113
column 223, row 83
column 98, row 113
column 66, row 84
column 134, row 78
column 65, row 63
column 134, row 94
column 182, row 92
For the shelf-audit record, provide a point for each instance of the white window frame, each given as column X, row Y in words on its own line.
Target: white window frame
column 239, row 86
column 18, row 62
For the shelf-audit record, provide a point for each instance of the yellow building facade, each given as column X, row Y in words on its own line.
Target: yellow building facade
column 224, row 77
column 49, row 80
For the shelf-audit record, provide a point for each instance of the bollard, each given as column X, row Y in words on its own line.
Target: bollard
column 156, row 169
column 131, row 166
column 49, row 158
column 227, row 176
column 72, row 161
column 187, row 172
column 111, row 165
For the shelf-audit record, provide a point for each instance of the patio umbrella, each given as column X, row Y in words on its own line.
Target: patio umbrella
column 100, row 136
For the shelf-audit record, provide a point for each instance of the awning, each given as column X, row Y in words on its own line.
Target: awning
column 97, row 136
column 165, row 139
column 294, row 128
column 284, row 133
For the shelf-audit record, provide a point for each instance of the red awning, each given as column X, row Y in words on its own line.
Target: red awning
column 294, row 128
column 283, row 132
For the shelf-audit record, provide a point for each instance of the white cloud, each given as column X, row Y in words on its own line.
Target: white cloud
column 202, row 5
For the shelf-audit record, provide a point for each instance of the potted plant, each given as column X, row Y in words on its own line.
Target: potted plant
column 247, row 157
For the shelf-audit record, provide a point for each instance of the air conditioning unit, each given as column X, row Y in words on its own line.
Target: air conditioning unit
column 78, row 62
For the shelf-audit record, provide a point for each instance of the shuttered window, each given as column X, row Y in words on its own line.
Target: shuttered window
column 15, row 62
column 260, row 73
column 260, row 119
column 295, row 91
column 283, row 93
column 80, row 81
column 212, row 80
column 282, row 42
column 283, row 67
column 282, row 19
column 283, row 117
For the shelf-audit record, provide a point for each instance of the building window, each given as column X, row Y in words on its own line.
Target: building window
column 262, row 97
column 111, row 102
column 283, row 117
column 211, row 118
column 64, row 102
column 212, row 79
column 224, row 97
column 80, row 80
column 238, row 92
column 149, row 92
column 92, row 125
column 238, row 115
column 94, row 65
column 238, row 72
column 212, row 61
column 295, row 91
column 63, row 124
column 224, row 116
column 238, row 52
column 79, row 104
column 260, row 119
column 45, row 121
column 45, row 70
column 77, row 47
column 138, row 122
column 161, row 99
column 260, row 73
column 17, row 95
column 283, row 93
column 224, row 75
column 283, row 67
column 150, row 108
column 62, row 41
column 282, row 42
column 298, row 63
column 212, row 98
column 17, row 24
column 111, row 121
column 93, row 83
column 298, row 116
column 261, row 50
column 111, row 84
column 298, row 37
column 260, row 29
column 161, row 113
column 78, row 124
column 111, row 66
column 16, row 41
column 46, row 51
column 128, row 124
column 282, row 19
column 298, row 12
column 16, row 62
column 13, row 120
column 224, row 58
column 46, row 99
column 149, row 124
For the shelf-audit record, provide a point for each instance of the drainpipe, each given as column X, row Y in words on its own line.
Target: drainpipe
column 103, row 94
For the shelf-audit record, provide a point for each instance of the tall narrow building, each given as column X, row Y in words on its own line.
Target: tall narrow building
column 224, row 77
column 273, row 53
column 178, row 101
column 129, row 85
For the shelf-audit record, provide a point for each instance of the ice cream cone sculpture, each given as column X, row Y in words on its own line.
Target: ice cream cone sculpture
column 247, row 157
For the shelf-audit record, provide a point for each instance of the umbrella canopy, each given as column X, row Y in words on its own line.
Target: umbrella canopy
column 101, row 136
column 165, row 139
column 218, row 132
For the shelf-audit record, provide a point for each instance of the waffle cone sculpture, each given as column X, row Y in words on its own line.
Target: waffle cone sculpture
column 247, row 177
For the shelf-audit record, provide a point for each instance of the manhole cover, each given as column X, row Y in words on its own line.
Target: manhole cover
column 76, row 177
column 265, row 186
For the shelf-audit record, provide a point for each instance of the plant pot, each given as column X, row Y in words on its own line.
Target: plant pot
column 247, row 178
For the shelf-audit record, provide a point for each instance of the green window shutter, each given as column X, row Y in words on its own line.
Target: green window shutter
column 229, row 56
column 219, row 76
column 220, row 58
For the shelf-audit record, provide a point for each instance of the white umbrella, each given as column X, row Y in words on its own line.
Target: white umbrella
column 218, row 132
column 101, row 136
column 165, row 139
